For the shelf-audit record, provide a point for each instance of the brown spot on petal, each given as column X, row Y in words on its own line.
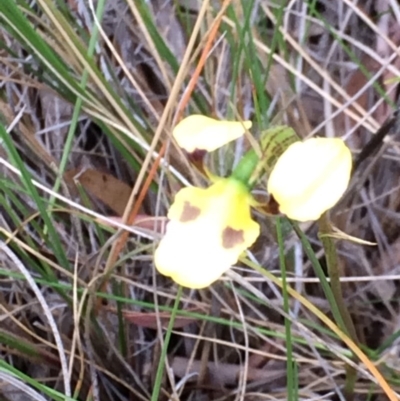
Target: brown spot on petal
column 231, row 237
column 189, row 212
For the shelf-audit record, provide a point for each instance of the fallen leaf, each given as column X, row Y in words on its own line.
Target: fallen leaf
column 110, row 190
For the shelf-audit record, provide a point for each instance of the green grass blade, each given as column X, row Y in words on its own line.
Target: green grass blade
column 320, row 274
column 291, row 379
column 52, row 240
column 161, row 363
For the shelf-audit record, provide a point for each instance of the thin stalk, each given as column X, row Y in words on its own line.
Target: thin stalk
column 328, row 243
column 161, row 363
column 321, row 276
column 291, row 379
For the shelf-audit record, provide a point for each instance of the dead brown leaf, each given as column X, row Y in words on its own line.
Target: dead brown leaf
column 110, row 190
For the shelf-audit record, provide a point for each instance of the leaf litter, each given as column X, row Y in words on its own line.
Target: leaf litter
column 333, row 74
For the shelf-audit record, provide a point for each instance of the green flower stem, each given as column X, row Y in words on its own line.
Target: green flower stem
column 328, row 243
column 245, row 169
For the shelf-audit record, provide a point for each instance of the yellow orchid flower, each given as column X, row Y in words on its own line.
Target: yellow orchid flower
column 310, row 177
column 197, row 132
column 208, row 230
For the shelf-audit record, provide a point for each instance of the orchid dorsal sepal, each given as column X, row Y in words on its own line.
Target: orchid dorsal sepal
column 198, row 132
column 274, row 141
